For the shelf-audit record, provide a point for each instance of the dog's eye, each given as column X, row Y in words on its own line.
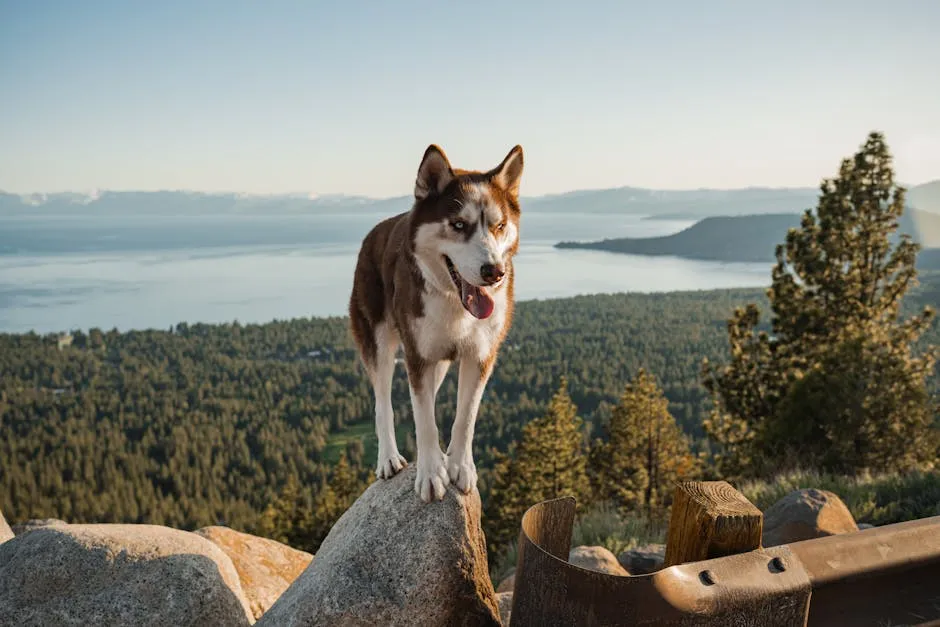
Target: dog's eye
column 459, row 225
column 500, row 226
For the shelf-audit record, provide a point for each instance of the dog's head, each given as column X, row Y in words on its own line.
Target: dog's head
column 465, row 226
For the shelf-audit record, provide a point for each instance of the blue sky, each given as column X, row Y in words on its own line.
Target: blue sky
column 343, row 97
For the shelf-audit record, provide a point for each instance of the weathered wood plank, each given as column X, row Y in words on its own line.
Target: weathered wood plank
column 711, row 519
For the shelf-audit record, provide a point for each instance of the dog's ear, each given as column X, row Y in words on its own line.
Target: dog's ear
column 434, row 173
column 509, row 173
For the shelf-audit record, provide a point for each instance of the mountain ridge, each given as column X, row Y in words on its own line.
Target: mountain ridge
column 751, row 238
column 679, row 204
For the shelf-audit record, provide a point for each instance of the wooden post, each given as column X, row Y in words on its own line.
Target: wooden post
column 711, row 519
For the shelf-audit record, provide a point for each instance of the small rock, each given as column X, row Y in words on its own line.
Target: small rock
column 596, row 558
column 865, row 526
column 107, row 575
column 508, row 582
column 504, row 599
column 35, row 523
column 5, row 532
column 393, row 560
column 265, row 568
column 806, row 514
column 643, row 560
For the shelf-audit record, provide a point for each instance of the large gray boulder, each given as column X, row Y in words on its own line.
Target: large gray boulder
column 804, row 515
column 393, row 560
column 5, row 532
column 103, row 575
column 265, row 568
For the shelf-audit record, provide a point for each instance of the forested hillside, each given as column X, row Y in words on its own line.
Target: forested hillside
column 204, row 424
column 754, row 238
column 721, row 238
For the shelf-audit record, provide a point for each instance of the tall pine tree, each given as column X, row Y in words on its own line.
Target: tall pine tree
column 286, row 516
column 549, row 462
column 301, row 519
column 645, row 452
column 346, row 484
column 835, row 385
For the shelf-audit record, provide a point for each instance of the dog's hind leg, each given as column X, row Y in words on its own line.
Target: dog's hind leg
column 471, row 382
column 390, row 460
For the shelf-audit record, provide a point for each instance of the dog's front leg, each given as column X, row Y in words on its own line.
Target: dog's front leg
column 423, row 381
column 472, row 380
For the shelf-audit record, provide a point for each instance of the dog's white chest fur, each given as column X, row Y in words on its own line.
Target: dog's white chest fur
column 446, row 327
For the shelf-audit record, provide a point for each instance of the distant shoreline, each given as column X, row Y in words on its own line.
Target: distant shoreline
column 749, row 239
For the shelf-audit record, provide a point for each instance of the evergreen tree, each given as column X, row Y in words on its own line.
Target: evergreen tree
column 284, row 516
column 548, row 463
column 346, row 484
column 835, row 385
column 645, row 452
column 302, row 520
column 347, row 481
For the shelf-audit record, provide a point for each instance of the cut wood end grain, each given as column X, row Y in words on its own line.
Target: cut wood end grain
column 711, row 519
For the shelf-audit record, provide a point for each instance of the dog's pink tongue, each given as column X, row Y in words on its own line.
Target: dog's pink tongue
column 475, row 300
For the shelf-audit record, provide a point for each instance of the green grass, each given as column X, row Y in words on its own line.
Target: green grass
column 603, row 525
column 364, row 431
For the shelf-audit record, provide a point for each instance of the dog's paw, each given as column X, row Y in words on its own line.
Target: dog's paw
column 389, row 465
column 462, row 472
column 431, row 481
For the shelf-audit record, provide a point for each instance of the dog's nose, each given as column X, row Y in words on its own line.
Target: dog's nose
column 492, row 273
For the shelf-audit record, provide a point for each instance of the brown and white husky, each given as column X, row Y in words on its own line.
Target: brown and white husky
column 438, row 281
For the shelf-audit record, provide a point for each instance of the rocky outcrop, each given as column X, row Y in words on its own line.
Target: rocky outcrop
column 5, row 532
column 35, row 523
column 393, row 560
column 643, row 560
column 106, row 575
column 504, row 600
column 266, row 568
column 806, row 514
column 596, row 558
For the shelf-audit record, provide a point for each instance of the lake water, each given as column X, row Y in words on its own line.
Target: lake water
column 68, row 272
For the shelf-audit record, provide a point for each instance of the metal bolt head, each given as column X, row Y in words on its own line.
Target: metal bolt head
column 777, row 565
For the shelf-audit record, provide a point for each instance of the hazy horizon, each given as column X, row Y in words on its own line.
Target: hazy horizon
column 314, row 195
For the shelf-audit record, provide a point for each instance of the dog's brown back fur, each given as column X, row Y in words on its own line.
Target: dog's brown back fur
column 385, row 251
